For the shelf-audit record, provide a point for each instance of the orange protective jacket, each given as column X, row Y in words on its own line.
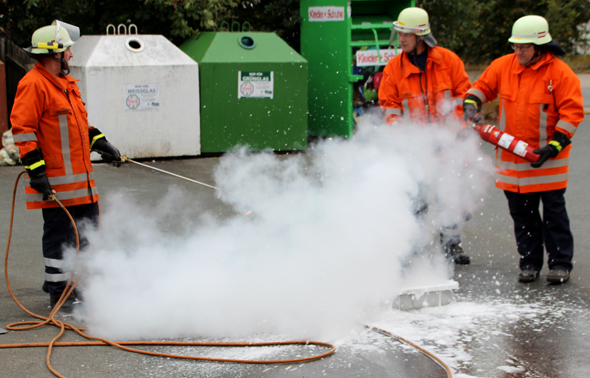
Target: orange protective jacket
column 535, row 101
column 429, row 96
column 49, row 114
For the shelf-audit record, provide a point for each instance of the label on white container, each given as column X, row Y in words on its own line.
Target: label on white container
column 371, row 58
column 142, row 97
column 520, row 148
column 255, row 84
column 505, row 140
column 322, row 14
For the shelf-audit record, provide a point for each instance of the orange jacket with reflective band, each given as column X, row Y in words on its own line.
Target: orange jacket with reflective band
column 48, row 113
column 535, row 101
column 429, row 96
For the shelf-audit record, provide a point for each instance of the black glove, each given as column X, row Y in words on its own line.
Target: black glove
column 551, row 150
column 35, row 166
column 108, row 152
column 471, row 109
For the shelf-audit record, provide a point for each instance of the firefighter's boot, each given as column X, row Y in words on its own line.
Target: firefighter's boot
column 455, row 253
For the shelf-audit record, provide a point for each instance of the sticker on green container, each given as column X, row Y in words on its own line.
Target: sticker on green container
column 322, row 14
column 372, row 58
column 255, row 84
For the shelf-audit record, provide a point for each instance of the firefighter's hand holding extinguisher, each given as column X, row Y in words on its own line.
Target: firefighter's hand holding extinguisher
column 471, row 109
column 497, row 137
column 471, row 114
column 551, row 150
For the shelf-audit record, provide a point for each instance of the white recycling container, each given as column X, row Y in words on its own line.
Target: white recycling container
column 141, row 91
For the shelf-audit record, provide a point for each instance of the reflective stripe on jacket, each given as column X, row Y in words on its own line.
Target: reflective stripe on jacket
column 428, row 96
column 535, row 101
column 48, row 113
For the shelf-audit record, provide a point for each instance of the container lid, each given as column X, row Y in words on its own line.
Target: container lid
column 127, row 50
column 240, row 47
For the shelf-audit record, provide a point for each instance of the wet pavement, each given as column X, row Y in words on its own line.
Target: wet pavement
column 497, row 327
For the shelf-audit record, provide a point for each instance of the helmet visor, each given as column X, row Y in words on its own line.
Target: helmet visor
column 72, row 31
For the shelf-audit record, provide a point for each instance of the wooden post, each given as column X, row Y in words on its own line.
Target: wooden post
column 3, row 104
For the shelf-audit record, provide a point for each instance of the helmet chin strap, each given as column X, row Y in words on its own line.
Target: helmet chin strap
column 65, row 67
column 536, row 56
column 419, row 40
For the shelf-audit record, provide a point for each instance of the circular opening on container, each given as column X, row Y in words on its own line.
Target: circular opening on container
column 247, row 42
column 134, row 44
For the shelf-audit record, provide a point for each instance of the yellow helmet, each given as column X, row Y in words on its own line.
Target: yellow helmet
column 530, row 29
column 412, row 20
column 54, row 38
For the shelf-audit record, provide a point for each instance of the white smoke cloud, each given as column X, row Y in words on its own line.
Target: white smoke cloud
column 325, row 246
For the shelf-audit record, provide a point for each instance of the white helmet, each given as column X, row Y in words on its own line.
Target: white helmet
column 54, row 38
column 412, row 20
column 530, row 29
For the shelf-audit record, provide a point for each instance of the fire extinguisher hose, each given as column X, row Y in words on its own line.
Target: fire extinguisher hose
column 126, row 159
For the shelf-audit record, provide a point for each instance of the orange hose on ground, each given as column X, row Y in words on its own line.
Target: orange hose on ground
column 50, row 320
column 422, row 350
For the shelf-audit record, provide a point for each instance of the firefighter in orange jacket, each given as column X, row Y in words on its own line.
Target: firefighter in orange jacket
column 541, row 104
column 50, row 127
column 425, row 84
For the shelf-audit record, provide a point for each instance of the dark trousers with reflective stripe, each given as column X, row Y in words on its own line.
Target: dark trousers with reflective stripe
column 533, row 232
column 58, row 234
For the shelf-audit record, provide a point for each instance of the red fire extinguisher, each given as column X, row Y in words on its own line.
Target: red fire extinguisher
column 498, row 138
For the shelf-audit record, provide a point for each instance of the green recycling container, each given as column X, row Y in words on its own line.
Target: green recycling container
column 331, row 33
column 253, row 91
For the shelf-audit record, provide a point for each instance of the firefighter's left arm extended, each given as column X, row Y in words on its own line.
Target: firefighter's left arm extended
column 486, row 87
